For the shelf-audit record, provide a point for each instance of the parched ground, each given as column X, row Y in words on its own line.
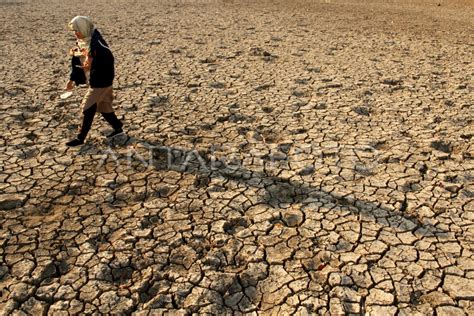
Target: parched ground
column 309, row 157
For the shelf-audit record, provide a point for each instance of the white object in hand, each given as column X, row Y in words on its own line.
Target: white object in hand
column 66, row 95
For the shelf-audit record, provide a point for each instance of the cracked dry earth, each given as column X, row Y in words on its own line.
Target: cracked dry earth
column 309, row 158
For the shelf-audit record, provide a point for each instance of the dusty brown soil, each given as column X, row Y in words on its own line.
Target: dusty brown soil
column 309, row 157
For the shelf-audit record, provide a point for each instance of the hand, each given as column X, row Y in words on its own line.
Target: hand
column 69, row 85
column 73, row 51
column 86, row 66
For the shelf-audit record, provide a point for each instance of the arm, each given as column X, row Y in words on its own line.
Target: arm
column 87, row 64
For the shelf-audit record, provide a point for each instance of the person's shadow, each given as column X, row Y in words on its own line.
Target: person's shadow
column 206, row 165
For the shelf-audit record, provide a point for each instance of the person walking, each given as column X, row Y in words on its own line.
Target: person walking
column 98, row 63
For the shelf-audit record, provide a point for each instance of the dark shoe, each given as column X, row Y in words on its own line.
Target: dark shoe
column 115, row 133
column 75, row 142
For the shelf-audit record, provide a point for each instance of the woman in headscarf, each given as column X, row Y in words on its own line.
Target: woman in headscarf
column 98, row 60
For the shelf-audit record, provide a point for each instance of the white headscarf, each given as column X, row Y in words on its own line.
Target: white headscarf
column 84, row 25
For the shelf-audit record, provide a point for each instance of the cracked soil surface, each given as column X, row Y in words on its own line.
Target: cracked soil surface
column 298, row 157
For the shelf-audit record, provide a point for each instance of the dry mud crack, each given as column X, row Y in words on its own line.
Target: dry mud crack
column 308, row 157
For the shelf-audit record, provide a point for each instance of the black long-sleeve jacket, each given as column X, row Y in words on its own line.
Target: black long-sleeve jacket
column 102, row 70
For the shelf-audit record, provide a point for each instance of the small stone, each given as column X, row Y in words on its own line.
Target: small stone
column 392, row 81
column 362, row 110
column 293, row 217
